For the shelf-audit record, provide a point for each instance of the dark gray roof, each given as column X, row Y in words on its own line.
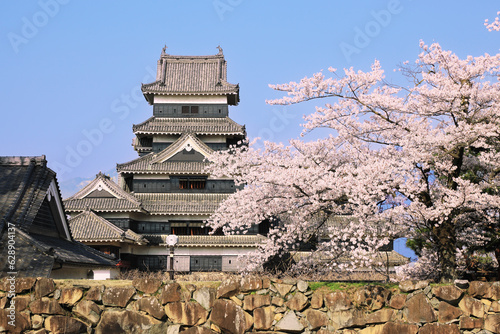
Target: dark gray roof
column 101, row 204
column 32, row 261
column 74, row 253
column 175, row 203
column 392, row 258
column 188, row 75
column 113, row 198
column 181, row 142
column 89, row 227
column 158, row 163
column 24, row 182
column 144, row 165
column 210, row 240
column 199, row 126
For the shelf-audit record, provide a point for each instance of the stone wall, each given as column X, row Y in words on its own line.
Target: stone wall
column 247, row 305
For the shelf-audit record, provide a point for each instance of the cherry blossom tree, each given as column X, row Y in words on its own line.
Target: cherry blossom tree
column 493, row 26
column 421, row 161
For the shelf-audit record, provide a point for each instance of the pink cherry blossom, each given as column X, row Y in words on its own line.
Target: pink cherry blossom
column 495, row 25
column 419, row 161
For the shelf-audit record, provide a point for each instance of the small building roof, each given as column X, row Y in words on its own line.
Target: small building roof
column 102, row 194
column 24, row 183
column 181, row 204
column 89, row 227
column 39, row 254
column 31, row 210
column 198, row 126
column 71, row 252
column 191, row 75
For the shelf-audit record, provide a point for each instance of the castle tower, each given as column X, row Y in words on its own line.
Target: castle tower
column 166, row 190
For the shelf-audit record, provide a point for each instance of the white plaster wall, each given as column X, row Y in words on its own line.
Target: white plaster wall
column 209, row 99
column 212, row 139
column 181, row 263
column 151, row 177
column 106, row 215
column 230, row 263
column 103, row 274
column 191, row 251
column 165, row 138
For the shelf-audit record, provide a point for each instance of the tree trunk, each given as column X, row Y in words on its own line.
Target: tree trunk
column 446, row 241
column 497, row 255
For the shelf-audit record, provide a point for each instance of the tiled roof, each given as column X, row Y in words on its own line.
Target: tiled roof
column 72, row 252
column 393, row 258
column 210, row 240
column 24, row 182
column 144, row 165
column 181, row 75
column 199, row 126
column 179, row 144
column 114, row 198
column 111, row 186
column 158, row 162
column 101, row 205
column 88, row 227
column 34, row 262
column 25, row 185
column 176, row 203
column 38, row 253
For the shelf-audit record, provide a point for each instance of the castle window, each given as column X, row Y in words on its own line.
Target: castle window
column 192, row 183
column 190, row 109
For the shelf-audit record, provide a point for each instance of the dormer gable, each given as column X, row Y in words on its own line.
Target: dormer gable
column 103, row 187
column 187, row 148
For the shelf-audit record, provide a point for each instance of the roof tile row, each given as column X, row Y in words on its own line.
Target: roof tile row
column 199, row 126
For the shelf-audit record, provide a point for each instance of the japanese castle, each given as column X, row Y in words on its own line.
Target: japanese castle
column 166, row 191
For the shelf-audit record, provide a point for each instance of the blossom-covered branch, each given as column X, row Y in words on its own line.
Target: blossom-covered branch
column 415, row 161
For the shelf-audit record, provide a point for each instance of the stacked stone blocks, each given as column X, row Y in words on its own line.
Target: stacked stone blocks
column 249, row 305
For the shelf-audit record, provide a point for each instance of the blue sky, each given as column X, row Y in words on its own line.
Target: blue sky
column 71, row 70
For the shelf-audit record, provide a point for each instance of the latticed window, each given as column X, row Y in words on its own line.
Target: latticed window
column 189, row 228
column 153, row 227
column 206, row 263
column 192, row 183
column 152, row 262
column 190, row 109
